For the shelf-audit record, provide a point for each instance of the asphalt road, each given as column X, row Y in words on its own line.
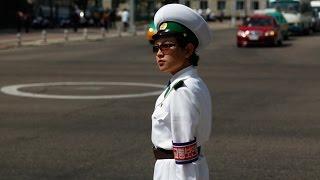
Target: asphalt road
column 266, row 110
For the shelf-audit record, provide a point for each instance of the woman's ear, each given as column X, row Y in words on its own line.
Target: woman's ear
column 189, row 50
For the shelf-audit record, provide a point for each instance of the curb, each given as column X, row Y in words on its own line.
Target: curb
column 58, row 37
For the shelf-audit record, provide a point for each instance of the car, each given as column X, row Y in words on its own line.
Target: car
column 40, row 23
column 61, row 17
column 315, row 5
column 151, row 30
column 42, row 18
column 279, row 17
column 259, row 30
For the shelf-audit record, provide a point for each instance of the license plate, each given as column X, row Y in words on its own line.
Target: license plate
column 253, row 37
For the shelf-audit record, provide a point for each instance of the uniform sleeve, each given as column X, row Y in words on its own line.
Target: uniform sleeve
column 184, row 112
column 185, row 115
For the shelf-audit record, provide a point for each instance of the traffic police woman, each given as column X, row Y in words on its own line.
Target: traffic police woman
column 181, row 121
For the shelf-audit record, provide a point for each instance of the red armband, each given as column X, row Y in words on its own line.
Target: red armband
column 185, row 152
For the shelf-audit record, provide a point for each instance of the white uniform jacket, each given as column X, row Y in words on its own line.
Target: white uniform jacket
column 182, row 116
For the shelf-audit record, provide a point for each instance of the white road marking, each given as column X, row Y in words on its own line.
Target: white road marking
column 14, row 90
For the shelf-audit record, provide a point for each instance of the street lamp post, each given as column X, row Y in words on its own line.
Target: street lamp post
column 247, row 6
column 51, row 9
column 132, row 17
column 233, row 14
column 182, row 2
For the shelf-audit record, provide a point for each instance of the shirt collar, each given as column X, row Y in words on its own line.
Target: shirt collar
column 183, row 74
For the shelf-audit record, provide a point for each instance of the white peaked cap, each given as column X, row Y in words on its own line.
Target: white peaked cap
column 189, row 18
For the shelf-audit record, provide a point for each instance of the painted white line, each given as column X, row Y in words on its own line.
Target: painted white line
column 14, row 90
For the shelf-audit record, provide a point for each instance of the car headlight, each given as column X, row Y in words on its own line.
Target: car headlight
column 81, row 14
column 269, row 33
column 243, row 33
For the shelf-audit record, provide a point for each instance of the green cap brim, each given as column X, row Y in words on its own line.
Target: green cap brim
column 172, row 29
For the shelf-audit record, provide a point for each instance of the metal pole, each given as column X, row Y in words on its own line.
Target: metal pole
column 103, row 32
column 85, row 34
column 233, row 14
column 66, row 35
column 248, row 12
column 119, row 28
column 44, row 36
column 182, row 2
column 19, row 40
column 132, row 17
column 247, row 6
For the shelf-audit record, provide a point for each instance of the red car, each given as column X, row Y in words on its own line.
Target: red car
column 259, row 30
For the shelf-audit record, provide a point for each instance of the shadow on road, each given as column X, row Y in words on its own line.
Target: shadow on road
column 291, row 38
column 294, row 37
column 284, row 45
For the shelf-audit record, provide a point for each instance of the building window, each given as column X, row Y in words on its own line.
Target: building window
column 240, row 5
column 203, row 4
column 255, row 5
column 221, row 5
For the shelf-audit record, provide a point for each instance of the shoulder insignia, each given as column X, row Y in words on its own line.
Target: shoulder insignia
column 178, row 85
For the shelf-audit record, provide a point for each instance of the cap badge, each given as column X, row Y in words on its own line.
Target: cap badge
column 163, row 26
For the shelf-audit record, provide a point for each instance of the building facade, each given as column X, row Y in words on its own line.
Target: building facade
column 238, row 8
column 144, row 9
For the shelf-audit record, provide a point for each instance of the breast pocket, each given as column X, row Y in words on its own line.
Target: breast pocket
column 159, row 114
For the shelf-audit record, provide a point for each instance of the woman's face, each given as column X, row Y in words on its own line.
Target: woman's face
column 170, row 56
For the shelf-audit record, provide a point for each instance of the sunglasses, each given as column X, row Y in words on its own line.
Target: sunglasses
column 165, row 48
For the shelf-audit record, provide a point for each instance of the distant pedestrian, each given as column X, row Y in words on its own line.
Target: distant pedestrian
column 113, row 18
column 202, row 13
column 19, row 20
column 27, row 22
column 105, row 19
column 208, row 13
column 221, row 17
column 28, row 15
column 125, row 19
column 23, row 20
column 24, row 16
column 75, row 18
column 181, row 121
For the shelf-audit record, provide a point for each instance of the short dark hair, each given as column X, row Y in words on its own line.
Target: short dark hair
column 183, row 42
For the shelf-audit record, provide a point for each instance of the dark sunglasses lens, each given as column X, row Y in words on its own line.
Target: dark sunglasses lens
column 155, row 49
column 166, row 46
column 163, row 47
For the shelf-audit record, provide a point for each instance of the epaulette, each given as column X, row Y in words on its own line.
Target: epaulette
column 178, row 85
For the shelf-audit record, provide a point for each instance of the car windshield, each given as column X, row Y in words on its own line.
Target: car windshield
column 64, row 12
column 258, row 22
column 286, row 6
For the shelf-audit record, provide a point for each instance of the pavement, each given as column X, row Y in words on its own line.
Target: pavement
column 265, row 110
column 10, row 39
